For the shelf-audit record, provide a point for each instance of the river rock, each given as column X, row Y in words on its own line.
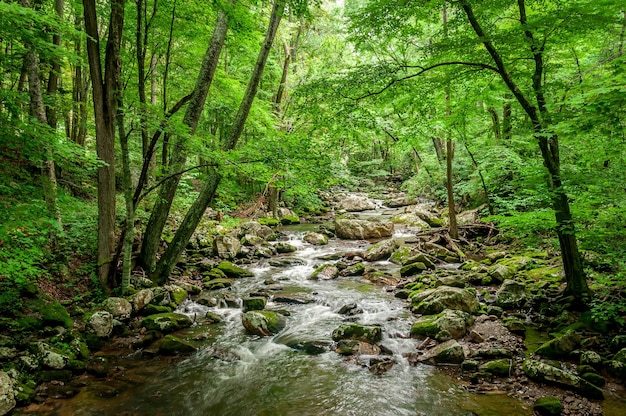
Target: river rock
column 617, row 343
column 560, row 347
column 365, row 333
column 120, row 308
column 325, row 272
column 356, row 203
column 429, row 217
column 381, row 250
column 166, row 322
column 616, row 369
column 397, row 202
column 283, row 248
column 172, row 345
column 506, row 268
column 542, row 372
column 233, row 271
column 226, row 246
column 413, row 269
column 253, row 228
column 620, row 356
column 448, row 324
column 263, row 323
column 354, row 270
column 449, row 352
column 548, row 406
column 380, row 365
column 350, row 309
column 316, row 239
column 433, row 301
column 498, row 368
column 7, row 393
column 591, row 358
column 511, row 295
column 411, row 219
column 254, row 303
column 101, row 323
column 215, row 284
column 177, row 295
column 140, row 299
column 356, row 347
column 351, row 229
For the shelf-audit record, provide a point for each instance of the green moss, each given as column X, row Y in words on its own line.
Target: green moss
column 366, row 333
column 214, row 273
column 500, row 368
column 270, row 222
column 548, row 406
column 52, row 313
column 425, row 328
column 234, row 271
column 594, row 378
column 152, row 309
column 290, row 219
column 413, row 268
column 179, row 295
column 171, row 345
column 217, row 284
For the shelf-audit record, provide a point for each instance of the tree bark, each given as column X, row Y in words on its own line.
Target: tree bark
column 105, row 90
column 283, row 80
column 55, row 72
column 548, row 144
column 194, row 215
column 160, row 211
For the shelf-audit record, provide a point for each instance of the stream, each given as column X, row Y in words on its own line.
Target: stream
column 234, row 373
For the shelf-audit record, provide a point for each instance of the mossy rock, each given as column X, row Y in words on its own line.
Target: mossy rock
column 270, row 222
column 290, row 219
column 214, row 273
column 616, row 369
column 325, row 272
column 499, row 368
column 152, row 309
column 166, row 322
column 284, row 248
column 470, row 365
column 263, row 323
column 594, row 378
column 178, row 294
column 255, row 303
column 412, row 269
column 516, row 326
column 217, row 284
column 233, row 271
column 52, row 313
column 560, row 347
column 354, row 270
column 365, row 333
column 548, row 406
column 434, row 301
column 542, row 372
column 620, row 356
column 444, row 326
column 172, row 345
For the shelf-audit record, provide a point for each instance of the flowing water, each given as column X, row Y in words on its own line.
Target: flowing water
column 235, row 373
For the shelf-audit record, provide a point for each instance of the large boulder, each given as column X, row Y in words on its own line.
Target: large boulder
column 434, row 301
column 317, row 239
column 101, row 323
column 381, row 250
column 233, row 271
column 506, row 268
column 356, row 203
column 166, row 322
column 120, row 308
column 351, row 229
column 560, row 347
column 263, row 323
column 512, row 294
column 172, row 345
column 366, row 333
column 325, row 272
column 142, row 298
column 7, row 394
column 255, row 229
column 429, row 217
column 444, row 326
column 449, row 352
column 226, row 246
column 545, row 373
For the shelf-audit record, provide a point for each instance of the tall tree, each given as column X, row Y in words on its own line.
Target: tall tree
column 160, row 212
column 207, row 193
column 105, row 90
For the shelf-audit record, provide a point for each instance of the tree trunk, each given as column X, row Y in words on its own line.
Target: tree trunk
column 283, row 80
column 38, row 111
column 105, row 90
column 160, row 211
column 548, row 144
column 55, row 71
column 507, row 126
column 194, row 215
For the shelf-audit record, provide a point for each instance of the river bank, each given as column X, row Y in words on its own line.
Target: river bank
column 458, row 323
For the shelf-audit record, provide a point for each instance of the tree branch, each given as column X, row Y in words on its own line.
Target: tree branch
column 421, row 71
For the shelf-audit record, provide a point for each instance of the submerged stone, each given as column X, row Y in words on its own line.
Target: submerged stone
column 263, row 323
column 172, row 345
column 366, row 333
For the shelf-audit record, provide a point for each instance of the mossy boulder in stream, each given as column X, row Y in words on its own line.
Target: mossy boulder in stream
column 120, row 308
column 560, row 347
column 325, row 272
column 444, row 326
column 362, row 229
column 381, row 250
column 316, row 239
column 263, row 323
column 172, row 345
column 365, row 333
column 449, row 352
column 512, row 294
column 434, row 301
column 545, row 373
column 166, row 322
column 233, row 271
